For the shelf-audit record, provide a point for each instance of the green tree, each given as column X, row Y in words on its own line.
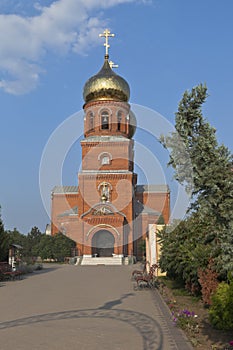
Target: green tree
column 55, row 247
column 45, row 247
column 15, row 237
column 62, row 246
column 32, row 242
column 183, row 251
column 205, row 168
column 3, row 241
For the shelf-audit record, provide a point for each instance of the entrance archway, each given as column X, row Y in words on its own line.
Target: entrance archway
column 103, row 243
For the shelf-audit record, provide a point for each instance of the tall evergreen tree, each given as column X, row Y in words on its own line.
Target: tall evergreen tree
column 32, row 242
column 205, row 168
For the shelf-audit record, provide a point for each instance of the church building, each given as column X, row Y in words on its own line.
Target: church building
column 108, row 213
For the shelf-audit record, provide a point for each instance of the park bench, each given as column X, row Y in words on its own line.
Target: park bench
column 142, row 272
column 148, row 278
column 6, row 272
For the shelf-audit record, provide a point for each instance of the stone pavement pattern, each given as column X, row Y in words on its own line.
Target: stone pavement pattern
column 68, row 307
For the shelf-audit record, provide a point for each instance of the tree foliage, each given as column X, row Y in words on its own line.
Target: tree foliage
column 62, row 246
column 205, row 168
column 221, row 315
column 31, row 243
column 183, row 251
column 15, row 237
column 36, row 244
column 3, row 241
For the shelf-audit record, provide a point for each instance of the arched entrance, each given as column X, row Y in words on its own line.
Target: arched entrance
column 103, row 243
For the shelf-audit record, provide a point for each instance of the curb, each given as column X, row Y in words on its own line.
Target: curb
column 177, row 338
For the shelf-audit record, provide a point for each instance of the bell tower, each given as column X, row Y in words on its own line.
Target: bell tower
column 107, row 179
column 108, row 214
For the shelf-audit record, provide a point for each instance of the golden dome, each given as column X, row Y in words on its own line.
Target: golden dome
column 106, row 85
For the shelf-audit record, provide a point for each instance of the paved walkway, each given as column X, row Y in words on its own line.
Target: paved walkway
column 69, row 307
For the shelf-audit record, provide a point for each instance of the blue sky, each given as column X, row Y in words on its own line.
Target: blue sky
column 48, row 49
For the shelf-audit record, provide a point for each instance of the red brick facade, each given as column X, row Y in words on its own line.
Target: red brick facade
column 107, row 212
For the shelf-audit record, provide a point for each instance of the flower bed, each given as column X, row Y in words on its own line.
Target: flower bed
column 189, row 313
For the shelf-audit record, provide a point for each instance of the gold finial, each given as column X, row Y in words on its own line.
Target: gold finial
column 106, row 34
column 113, row 65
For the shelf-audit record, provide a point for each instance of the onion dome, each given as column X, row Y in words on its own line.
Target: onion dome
column 106, row 85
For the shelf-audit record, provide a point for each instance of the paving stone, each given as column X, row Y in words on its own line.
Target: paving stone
column 85, row 307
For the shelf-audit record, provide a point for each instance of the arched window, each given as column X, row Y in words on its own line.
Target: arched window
column 105, row 158
column 91, row 121
column 119, row 119
column 104, row 120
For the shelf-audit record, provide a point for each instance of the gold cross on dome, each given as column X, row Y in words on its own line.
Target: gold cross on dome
column 113, row 65
column 106, row 34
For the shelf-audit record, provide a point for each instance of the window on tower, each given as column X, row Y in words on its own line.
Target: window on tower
column 91, row 121
column 119, row 119
column 105, row 120
column 105, row 158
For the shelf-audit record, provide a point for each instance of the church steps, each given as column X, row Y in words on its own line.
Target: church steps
column 117, row 260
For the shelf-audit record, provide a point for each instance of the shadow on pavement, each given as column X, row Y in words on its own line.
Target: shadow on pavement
column 145, row 326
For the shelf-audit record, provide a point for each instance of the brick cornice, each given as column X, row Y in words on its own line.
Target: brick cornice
column 106, row 176
column 103, row 102
column 104, row 220
column 112, row 143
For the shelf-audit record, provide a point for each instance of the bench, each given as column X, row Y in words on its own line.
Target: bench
column 137, row 273
column 6, row 272
column 148, row 278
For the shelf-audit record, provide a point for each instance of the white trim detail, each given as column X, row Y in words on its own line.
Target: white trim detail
column 102, row 225
column 102, row 109
column 102, row 154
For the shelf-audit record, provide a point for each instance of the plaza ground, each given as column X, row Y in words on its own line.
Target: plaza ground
column 84, row 307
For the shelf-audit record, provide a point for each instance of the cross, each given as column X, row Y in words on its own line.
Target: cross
column 107, row 34
column 113, row 65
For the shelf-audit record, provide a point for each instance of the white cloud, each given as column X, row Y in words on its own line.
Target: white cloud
column 62, row 27
column 25, row 76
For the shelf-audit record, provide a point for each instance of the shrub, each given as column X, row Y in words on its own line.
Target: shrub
column 209, row 283
column 26, row 268
column 29, row 268
column 220, row 313
column 38, row 267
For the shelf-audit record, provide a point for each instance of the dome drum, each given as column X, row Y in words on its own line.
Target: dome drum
column 109, row 118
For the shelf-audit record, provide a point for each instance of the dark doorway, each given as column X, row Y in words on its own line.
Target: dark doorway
column 103, row 243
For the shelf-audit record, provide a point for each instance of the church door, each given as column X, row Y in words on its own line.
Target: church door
column 103, row 243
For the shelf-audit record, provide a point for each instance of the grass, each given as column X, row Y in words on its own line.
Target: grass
column 176, row 286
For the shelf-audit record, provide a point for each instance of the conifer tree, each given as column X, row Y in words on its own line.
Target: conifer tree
column 205, row 168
